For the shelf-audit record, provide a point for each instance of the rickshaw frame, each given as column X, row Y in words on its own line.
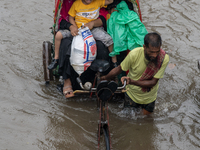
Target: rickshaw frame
column 48, row 47
column 48, row 54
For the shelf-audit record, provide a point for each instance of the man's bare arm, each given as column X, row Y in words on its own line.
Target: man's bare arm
column 108, row 2
column 144, row 83
column 112, row 73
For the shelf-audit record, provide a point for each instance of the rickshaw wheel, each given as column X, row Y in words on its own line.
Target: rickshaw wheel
column 198, row 63
column 47, row 48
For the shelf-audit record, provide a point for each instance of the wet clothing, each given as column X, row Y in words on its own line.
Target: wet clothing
column 152, row 69
column 85, row 13
column 136, row 63
column 128, row 102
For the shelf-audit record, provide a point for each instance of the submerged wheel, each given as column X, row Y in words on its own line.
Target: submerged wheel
column 47, row 48
column 106, row 137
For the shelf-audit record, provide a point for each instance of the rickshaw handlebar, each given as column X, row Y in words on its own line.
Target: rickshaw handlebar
column 94, row 89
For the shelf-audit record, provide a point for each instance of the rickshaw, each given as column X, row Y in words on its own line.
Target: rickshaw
column 98, row 87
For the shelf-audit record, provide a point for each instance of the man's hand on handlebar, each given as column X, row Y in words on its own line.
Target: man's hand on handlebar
column 103, row 78
column 128, row 80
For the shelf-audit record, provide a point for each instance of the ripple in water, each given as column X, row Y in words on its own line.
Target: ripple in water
column 127, row 112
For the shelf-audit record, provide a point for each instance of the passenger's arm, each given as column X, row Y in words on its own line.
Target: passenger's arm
column 98, row 22
column 108, row 2
column 94, row 23
column 73, row 28
column 112, row 73
column 145, row 83
column 72, row 20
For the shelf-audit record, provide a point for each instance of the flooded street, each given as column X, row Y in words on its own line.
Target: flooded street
column 36, row 117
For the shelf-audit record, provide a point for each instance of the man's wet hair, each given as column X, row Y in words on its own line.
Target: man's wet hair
column 154, row 39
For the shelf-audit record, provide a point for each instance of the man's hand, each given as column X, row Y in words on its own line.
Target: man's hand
column 90, row 25
column 127, row 79
column 74, row 30
column 103, row 78
column 115, row 71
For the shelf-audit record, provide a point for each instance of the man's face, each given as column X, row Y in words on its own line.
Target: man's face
column 87, row 1
column 151, row 53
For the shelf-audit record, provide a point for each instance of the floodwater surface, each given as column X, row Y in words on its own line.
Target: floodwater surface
column 36, row 117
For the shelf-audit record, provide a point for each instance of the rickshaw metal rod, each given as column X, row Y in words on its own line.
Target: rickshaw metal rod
column 122, row 87
column 118, row 88
column 80, row 82
column 104, row 122
column 94, row 89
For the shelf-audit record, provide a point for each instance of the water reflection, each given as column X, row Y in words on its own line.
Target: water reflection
column 71, row 125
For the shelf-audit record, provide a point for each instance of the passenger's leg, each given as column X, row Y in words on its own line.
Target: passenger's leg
column 67, row 88
column 59, row 36
column 145, row 112
column 58, row 39
column 100, row 34
column 147, row 109
column 114, row 58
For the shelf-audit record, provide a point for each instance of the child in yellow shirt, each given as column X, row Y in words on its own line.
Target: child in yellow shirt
column 85, row 12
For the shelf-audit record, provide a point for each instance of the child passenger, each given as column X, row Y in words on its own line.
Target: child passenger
column 85, row 11
column 64, row 30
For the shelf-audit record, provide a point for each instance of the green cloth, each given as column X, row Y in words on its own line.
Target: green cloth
column 136, row 63
column 126, row 29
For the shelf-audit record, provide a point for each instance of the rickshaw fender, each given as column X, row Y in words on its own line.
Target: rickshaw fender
column 47, row 48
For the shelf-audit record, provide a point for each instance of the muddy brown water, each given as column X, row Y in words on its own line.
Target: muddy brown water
column 36, row 117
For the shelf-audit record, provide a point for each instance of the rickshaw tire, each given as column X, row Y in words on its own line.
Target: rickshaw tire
column 198, row 64
column 106, row 137
column 47, row 57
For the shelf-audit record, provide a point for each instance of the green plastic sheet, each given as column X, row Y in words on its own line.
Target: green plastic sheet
column 126, row 29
